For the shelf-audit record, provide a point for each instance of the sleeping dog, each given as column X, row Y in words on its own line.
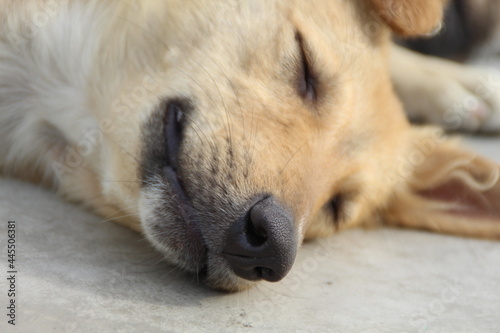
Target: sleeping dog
column 229, row 131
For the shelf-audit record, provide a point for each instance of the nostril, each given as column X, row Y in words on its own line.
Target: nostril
column 255, row 231
column 269, row 275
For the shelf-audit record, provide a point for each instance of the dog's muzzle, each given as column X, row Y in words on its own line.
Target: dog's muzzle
column 261, row 245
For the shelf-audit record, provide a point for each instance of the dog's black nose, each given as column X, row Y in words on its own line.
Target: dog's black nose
column 263, row 244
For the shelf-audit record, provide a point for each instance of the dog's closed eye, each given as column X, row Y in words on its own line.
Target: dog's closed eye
column 336, row 208
column 307, row 81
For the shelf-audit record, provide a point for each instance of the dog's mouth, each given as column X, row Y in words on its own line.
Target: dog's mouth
column 173, row 129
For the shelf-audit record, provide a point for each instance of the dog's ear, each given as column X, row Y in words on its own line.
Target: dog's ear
column 445, row 188
column 409, row 18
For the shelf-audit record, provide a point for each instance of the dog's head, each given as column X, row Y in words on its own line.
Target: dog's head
column 274, row 121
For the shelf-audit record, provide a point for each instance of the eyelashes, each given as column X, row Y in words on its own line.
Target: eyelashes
column 306, row 79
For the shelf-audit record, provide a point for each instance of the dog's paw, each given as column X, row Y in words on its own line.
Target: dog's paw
column 460, row 98
column 468, row 99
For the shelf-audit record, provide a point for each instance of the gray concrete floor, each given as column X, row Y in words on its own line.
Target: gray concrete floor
column 78, row 274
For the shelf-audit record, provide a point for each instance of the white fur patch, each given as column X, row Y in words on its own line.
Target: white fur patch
column 44, row 69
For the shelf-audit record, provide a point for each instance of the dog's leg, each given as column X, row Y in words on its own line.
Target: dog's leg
column 452, row 95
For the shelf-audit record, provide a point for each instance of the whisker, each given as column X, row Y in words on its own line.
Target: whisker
column 228, row 129
column 118, row 218
column 234, row 92
column 293, row 156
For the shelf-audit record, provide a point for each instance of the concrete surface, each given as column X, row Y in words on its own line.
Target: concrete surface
column 79, row 274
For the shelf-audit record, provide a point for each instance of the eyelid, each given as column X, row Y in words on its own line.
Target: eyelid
column 307, row 78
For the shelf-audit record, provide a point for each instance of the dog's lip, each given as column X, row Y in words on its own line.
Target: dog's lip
column 178, row 192
column 193, row 240
column 193, row 237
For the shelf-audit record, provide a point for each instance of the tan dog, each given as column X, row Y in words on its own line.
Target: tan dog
column 229, row 131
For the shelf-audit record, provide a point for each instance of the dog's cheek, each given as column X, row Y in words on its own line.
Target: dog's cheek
column 321, row 225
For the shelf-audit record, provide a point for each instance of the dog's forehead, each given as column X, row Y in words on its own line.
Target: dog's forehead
column 241, row 30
